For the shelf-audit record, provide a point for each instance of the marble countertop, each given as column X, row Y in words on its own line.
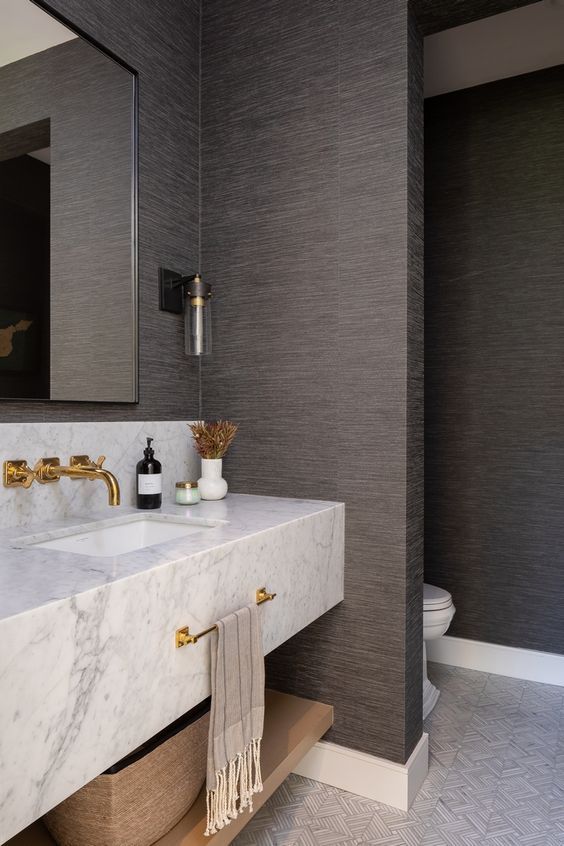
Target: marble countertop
column 33, row 576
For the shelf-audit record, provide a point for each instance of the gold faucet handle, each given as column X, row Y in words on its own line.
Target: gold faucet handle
column 18, row 474
column 81, row 461
column 86, row 461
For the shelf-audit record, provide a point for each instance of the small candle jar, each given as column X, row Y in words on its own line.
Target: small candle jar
column 187, row 493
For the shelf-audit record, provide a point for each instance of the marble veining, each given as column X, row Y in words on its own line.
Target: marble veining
column 122, row 443
column 33, row 576
column 88, row 668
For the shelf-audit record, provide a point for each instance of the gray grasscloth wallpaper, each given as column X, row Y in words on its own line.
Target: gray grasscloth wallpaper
column 494, row 306
column 415, row 388
column 317, row 267
column 150, row 38
column 88, row 100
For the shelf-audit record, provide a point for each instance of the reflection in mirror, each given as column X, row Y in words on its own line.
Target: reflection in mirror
column 24, row 249
column 67, row 214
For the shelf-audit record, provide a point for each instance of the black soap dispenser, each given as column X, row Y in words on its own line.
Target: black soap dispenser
column 149, row 480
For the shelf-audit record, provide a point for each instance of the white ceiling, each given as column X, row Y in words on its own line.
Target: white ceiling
column 498, row 47
column 26, row 29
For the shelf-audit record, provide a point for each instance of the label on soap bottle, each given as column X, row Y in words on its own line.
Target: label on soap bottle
column 150, row 483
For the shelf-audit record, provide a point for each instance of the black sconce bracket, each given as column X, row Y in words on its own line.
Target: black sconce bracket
column 173, row 288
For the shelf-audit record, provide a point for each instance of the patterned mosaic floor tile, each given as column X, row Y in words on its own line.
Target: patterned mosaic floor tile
column 496, row 778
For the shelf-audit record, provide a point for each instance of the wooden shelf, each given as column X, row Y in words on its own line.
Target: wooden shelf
column 292, row 726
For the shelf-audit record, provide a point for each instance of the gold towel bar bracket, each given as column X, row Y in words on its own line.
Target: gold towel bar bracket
column 182, row 637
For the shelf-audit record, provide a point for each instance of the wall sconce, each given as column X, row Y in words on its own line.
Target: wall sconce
column 192, row 296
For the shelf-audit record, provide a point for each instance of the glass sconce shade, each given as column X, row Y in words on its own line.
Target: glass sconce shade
column 197, row 325
column 191, row 295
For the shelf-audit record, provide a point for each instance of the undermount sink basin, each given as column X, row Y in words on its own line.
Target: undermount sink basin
column 125, row 535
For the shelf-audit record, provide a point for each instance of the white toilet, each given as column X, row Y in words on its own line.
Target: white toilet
column 438, row 611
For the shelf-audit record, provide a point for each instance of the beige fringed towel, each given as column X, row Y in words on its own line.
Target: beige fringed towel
column 236, row 718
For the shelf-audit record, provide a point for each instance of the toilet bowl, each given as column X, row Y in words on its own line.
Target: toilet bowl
column 438, row 611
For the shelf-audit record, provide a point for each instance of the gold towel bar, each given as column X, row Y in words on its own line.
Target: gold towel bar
column 183, row 637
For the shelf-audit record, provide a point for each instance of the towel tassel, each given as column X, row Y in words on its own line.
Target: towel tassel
column 235, row 786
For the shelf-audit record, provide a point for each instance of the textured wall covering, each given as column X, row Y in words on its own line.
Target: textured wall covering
column 494, row 306
column 306, row 236
column 150, row 38
column 415, row 388
column 88, row 100
column 435, row 15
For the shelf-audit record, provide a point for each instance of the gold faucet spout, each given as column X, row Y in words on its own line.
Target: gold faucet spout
column 112, row 485
column 110, row 480
column 80, row 467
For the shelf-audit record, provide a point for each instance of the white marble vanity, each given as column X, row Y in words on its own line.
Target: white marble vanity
column 88, row 664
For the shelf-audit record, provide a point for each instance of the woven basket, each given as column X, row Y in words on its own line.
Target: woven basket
column 139, row 803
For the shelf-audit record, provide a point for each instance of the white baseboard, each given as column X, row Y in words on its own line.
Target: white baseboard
column 545, row 667
column 366, row 775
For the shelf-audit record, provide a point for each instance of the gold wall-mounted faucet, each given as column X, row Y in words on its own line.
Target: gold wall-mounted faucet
column 80, row 467
column 48, row 470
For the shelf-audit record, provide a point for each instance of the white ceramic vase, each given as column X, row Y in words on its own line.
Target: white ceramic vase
column 211, row 484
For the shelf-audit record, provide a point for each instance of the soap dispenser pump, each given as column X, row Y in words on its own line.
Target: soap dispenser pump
column 149, row 479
